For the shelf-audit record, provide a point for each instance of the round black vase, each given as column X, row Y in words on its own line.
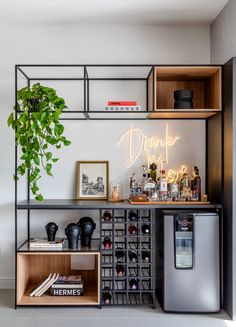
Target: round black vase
column 51, row 229
column 72, row 232
column 87, row 226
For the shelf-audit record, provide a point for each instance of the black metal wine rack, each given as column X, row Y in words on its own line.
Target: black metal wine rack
column 117, row 287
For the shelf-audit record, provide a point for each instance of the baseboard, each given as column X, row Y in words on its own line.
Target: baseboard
column 7, row 283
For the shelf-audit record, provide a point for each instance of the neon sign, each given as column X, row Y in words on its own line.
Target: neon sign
column 138, row 143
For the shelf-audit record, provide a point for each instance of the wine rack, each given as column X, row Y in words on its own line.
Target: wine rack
column 127, row 257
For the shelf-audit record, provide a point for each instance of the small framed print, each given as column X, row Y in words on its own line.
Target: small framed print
column 92, row 180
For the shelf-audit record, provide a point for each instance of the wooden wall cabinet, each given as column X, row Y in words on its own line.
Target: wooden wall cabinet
column 205, row 81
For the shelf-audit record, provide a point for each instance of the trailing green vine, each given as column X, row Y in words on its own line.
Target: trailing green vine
column 37, row 130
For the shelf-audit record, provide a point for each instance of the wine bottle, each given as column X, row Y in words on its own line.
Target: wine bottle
column 133, row 230
column 107, row 242
column 107, row 216
column 119, row 253
column 146, row 256
column 146, row 229
column 133, row 216
column 133, row 284
column 133, row 257
column 120, row 269
column 107, row 296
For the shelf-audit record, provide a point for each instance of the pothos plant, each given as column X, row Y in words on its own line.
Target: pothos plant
column 37, row 131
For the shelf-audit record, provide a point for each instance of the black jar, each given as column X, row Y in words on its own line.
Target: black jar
column 51, row 229
column 87, row 226
column 72, row 232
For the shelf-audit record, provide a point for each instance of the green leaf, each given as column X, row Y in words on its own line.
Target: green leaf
column 10, row 119
column 59, row 129
column 55, row 159
column 39, row 197
column 67, row 142
column 48, row 155
column 48, row 169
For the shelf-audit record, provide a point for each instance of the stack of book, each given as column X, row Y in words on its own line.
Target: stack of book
column 43, row 243
column 122, row 106
column 72, row 285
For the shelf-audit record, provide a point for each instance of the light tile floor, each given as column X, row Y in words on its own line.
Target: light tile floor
column 106, row 317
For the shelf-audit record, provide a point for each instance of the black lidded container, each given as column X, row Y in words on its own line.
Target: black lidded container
column 183, row 99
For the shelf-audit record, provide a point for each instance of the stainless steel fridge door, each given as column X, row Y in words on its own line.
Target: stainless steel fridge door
column 196, row 289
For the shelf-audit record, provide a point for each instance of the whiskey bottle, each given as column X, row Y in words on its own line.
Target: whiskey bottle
column 197, row 186
column 153, row 172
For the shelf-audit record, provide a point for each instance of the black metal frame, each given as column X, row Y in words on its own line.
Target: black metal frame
column 86, row 113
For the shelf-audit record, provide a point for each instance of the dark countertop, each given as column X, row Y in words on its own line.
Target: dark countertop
column 72, row 204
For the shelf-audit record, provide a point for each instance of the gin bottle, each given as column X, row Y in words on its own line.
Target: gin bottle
column 163, row 186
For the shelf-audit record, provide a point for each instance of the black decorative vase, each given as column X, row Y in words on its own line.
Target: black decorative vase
column 51, row 229
column 72, row 232
column 87, row 226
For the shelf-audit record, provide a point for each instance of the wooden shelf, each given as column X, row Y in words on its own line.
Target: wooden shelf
column 33, row 268
column 183, row 113
column 89, row 298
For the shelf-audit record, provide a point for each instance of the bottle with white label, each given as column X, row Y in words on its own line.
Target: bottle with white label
column 149, row 187
column 163, row 186
column 174, row 190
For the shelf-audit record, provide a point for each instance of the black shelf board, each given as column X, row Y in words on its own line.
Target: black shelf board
column 73, row 204
column 95, row 247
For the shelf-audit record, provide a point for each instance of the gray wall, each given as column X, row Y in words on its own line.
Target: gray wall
column 223, row 34
column 84, row 44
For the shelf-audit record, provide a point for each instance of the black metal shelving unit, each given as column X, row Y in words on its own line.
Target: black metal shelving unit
column 86, row 75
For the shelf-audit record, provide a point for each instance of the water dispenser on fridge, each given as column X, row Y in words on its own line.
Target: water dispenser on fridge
column 188, row 273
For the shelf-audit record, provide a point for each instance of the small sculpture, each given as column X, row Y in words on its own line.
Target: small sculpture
column 72, row 232
column 87, row 226
column 51, row 229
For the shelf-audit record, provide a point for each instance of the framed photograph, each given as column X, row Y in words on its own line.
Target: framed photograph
column 92, row 180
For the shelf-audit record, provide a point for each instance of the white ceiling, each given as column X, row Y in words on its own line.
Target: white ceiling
column 131, row 12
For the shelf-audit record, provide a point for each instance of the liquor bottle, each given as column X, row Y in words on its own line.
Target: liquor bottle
column 120, row 269
column 153, row 172
column 149, row 187
column 163, row 186
column 186, row 193
column 133, row 230
column 197, row 186
column 133, row 257
column 146, row 229
column 174, row 190
column 144, row 177
column 133, row 284
column 133, row 185
column 193, row 175
column 107, row 296
column 119, row 253
column 107, row 216
column 133, row 216
column 146, row 256
column 107, row 242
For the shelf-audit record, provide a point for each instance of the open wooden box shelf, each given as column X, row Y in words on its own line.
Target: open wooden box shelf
column 205, row 81
column 33, row 268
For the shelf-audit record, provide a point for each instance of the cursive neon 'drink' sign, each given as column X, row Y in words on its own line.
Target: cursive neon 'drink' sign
column 154, row 148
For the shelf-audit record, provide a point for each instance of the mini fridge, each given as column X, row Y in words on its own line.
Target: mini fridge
column 188, row 265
